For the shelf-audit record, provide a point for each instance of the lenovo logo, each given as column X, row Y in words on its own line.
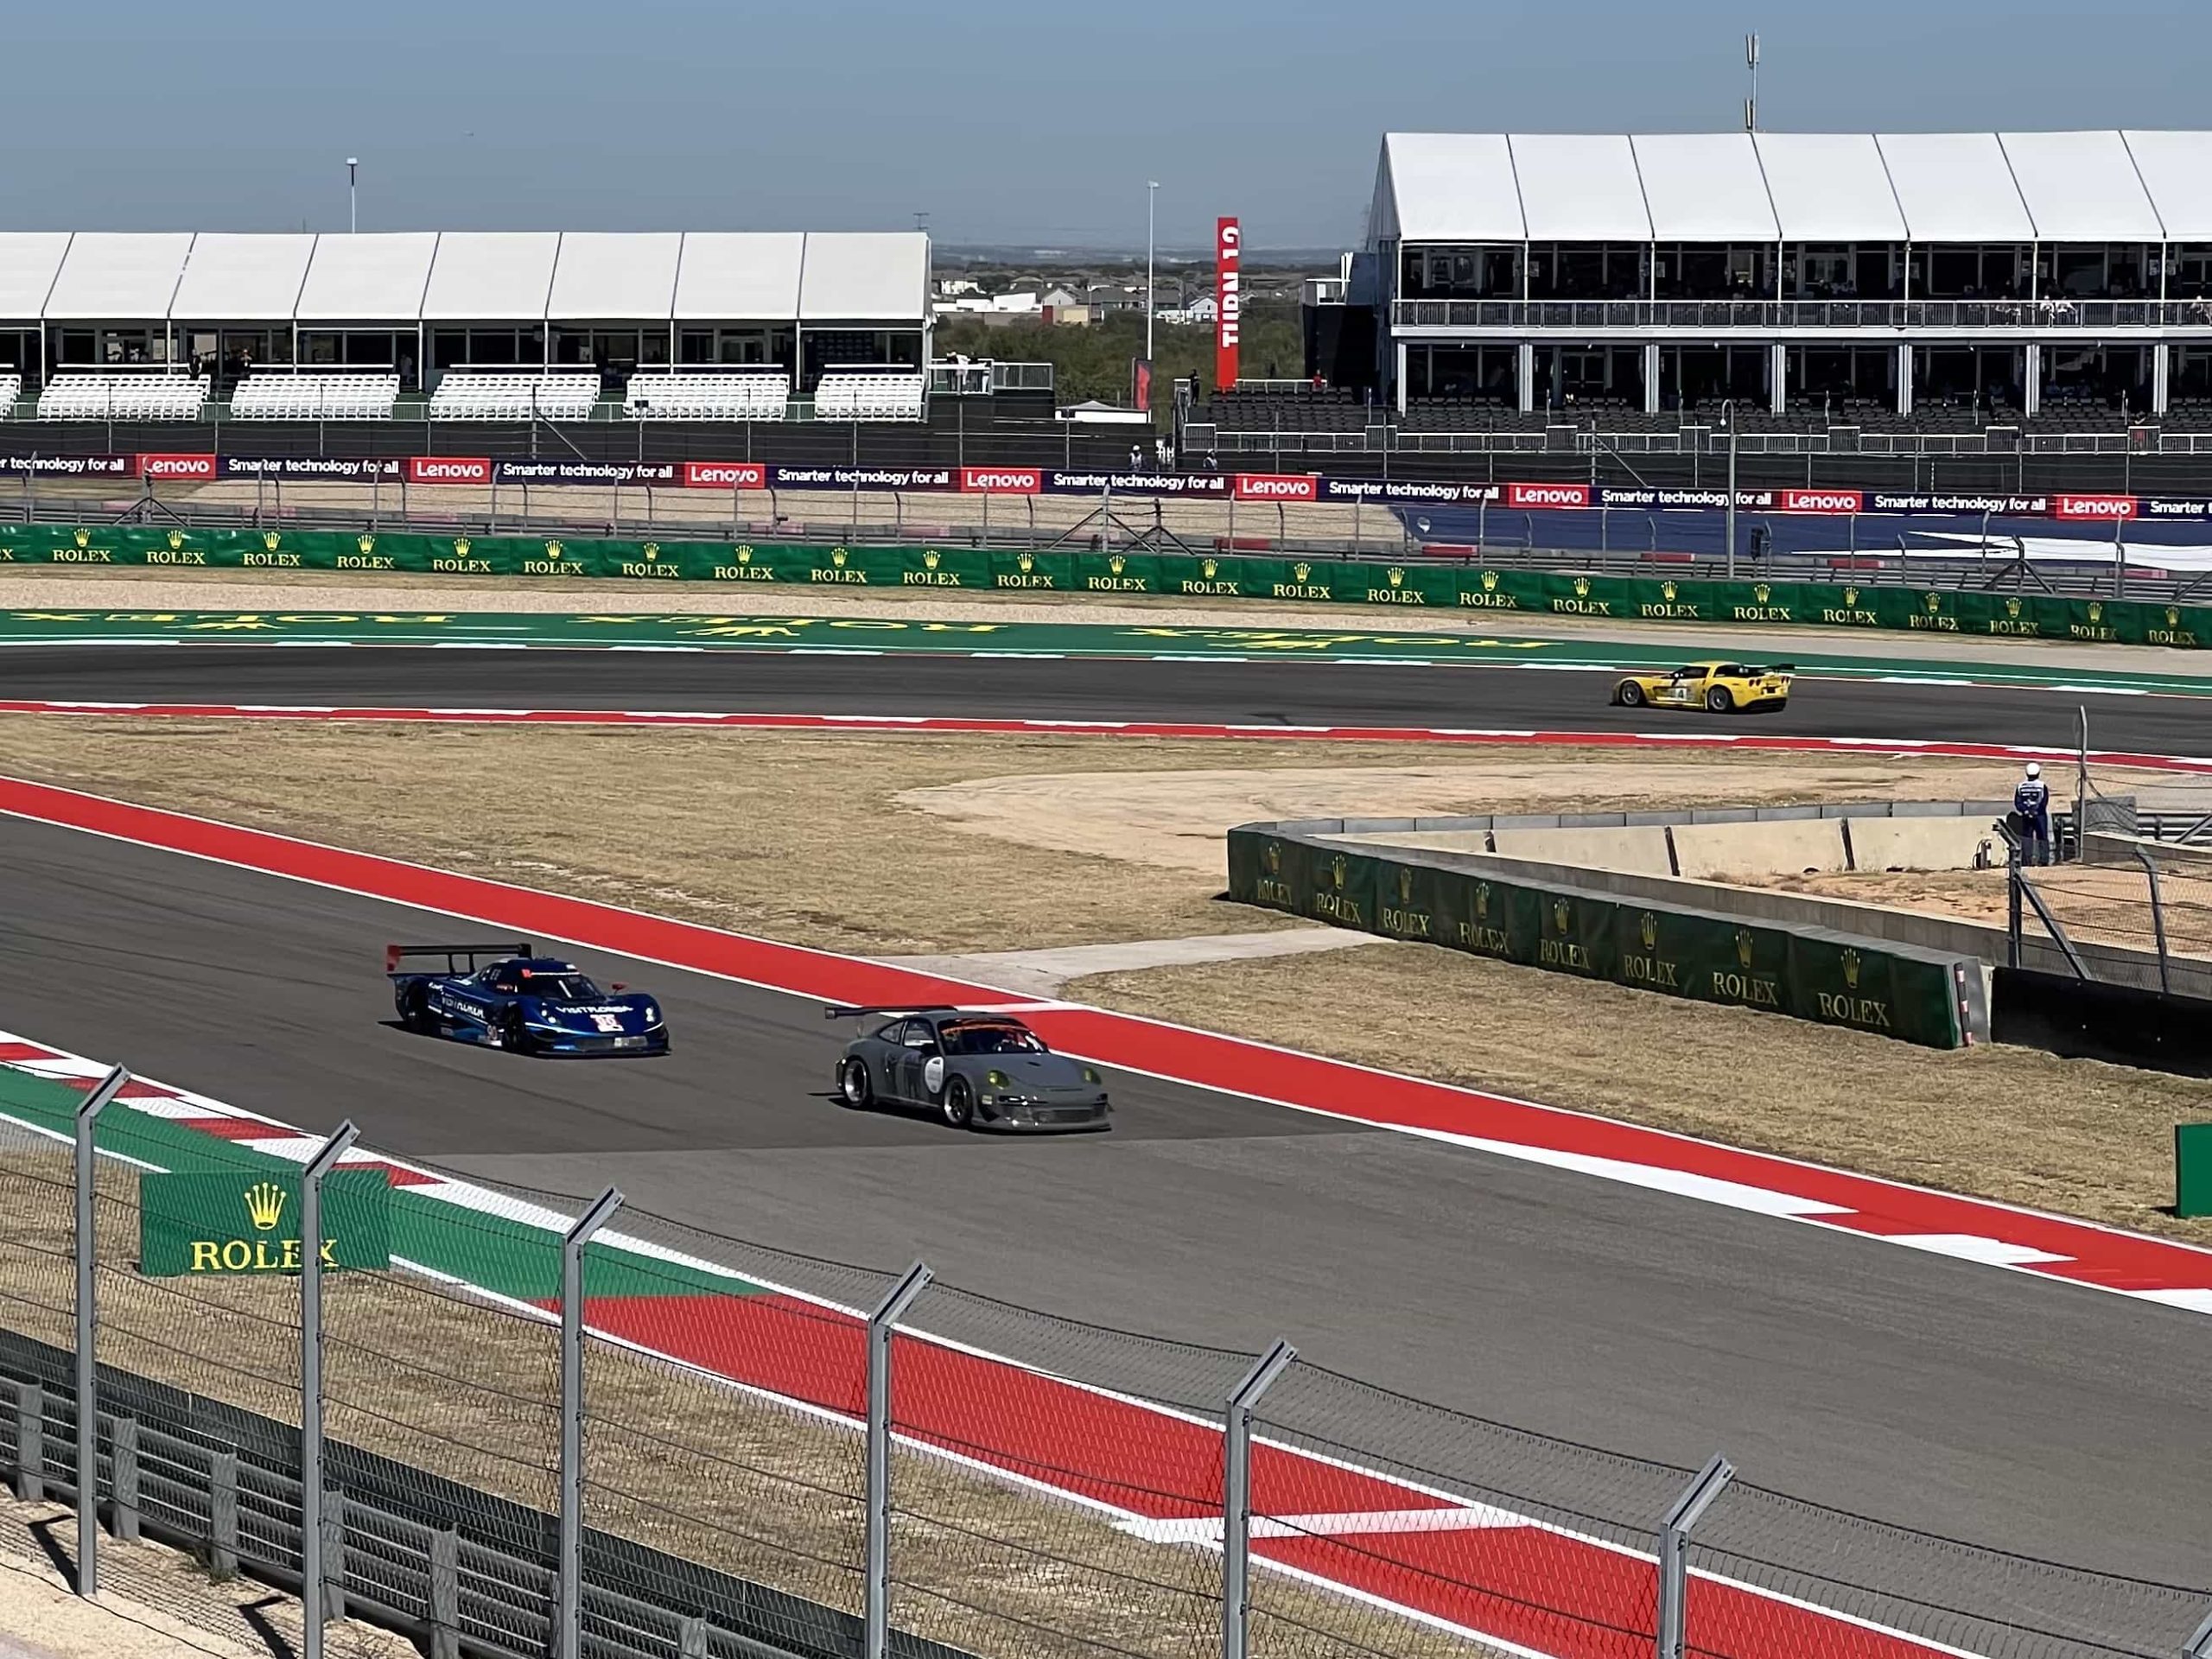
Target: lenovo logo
column 724, row 475
column 1823, row 501
column 1277, row 486
column 1547, row 495
column 2095, row 506
column 177, row 466
column 1000, row 480
column 449, row 469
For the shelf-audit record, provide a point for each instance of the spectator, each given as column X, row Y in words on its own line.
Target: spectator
column 2031, row 806
column 1137, row 458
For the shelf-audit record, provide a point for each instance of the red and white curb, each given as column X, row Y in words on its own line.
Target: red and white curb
column 1502, row 736
column 1528, row 1587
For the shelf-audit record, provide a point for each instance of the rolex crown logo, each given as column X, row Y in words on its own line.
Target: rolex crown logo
column 1481, row 901
column 1490, row 582
column 2173, row 617
column 1650, row 930
column 1667, row 591
column 1208, row 568
column 930, row 559
column 745, row 553
column 652, row 550
column 1299, row 572
column 1405, row 884
column 264, row 1205
column 1762, row 593
column 1582, row 587
column 1851, row 595
column 837, row 557
column 460, row 546
column 177, row 539
column 1935, row 603
column 1336, row 871
column 2096, row 610
column 1273, row 857
column 1851, row 969
column 1396, row 575
column 1744, row 947
column 84, row 538
column 2012, row 607
column 1026, row 562
column 552, row 550
column 268, row 539
column 1560, row 912
column 367, row 543
column 1115, row 564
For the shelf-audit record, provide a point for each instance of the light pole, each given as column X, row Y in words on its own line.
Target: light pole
column 353, row 207
column 1151, row 196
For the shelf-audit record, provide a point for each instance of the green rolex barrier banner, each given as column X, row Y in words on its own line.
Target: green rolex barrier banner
column 241, row 1222
column 1806, row 973
column 1431, row 586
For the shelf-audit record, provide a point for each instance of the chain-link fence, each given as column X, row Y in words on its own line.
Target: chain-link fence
column 730, row 1456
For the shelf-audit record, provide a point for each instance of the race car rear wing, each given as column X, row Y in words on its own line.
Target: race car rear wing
column 455, row 955
column 842, row 1011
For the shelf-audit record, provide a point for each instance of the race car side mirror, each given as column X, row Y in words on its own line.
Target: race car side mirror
column 620, row 985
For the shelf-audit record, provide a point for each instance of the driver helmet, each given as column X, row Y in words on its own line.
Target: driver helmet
column 2035, row 770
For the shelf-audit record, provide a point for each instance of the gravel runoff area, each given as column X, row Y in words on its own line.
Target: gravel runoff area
column 1059, row 842
column 70, row 589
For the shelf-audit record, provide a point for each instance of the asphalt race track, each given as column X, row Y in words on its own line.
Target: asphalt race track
column 1263, row 693
column 2054, row 1420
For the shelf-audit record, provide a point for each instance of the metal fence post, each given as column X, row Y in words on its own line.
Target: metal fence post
column 30, row 1443
column 445, row 1595
column 312, row 1604
column 2157, row 913
column 876, row 1593
column 88, row 1404
column 223, row 1516
column 1675, row 1552
column 1237, row 1497
column 568, row 1631
column 123, row 1436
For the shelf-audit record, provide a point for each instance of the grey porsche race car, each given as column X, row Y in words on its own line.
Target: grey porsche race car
column 975, row 1070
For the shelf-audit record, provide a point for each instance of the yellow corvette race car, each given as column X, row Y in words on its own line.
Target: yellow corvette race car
column 1720, row 688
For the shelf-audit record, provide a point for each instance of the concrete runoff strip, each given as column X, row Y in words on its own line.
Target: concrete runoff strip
column 1043, row 973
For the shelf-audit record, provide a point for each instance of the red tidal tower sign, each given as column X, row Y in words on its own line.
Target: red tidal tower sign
column 1229, row 300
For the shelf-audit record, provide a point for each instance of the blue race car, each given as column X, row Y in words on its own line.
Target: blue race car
column 508, row 996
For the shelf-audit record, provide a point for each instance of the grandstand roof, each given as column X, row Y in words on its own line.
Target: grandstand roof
column 2101, row 185
column 400, row 278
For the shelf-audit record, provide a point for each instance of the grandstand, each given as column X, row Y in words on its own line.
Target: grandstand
column 296, row 397
column 707, row 396
column 483, row 396
column 423, row 305
column 11, row 388
column 1939, row 280
column 74, row 397
column 853, row 396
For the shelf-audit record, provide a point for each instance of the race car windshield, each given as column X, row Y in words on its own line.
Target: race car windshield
column 991, row 1039
column 560, row 988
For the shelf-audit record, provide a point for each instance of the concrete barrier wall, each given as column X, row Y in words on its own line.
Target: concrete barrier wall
column 1924, row 843
column 1806, row 846
column 1632, row 847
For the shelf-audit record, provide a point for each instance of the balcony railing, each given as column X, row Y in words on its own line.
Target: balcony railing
column 2088, row 315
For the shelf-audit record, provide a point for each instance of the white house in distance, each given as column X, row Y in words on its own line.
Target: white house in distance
column 1202, row 310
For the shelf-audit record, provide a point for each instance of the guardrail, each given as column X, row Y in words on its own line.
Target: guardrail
column 1571, row 438
column 2064, row 314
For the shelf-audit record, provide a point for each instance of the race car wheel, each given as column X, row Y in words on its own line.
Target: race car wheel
column 1628, row 694
column 513, row 1035
column 1718, row 701
column 415, row 1012
column 959, row 1105
column 852, row 1086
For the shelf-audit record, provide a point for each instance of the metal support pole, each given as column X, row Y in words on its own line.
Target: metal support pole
column 1731, row 490
column 568, row 1633
column 876, row 1594
column 1675, row 1551
column 2158, row 914
column 2080, row 778
column 312, row 1606
column 1237, row 1497
column 88, row 1402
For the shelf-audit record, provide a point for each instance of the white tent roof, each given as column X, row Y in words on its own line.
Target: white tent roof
column 603, row 274
column 2177, row 168
column 1955, row 186
column 2081, row 186
column 240, row 278
column 491, row 275
column 864, row 275
column 29, row 260
column 729, row 275
column 122, row 275
column 1705, row 187
column 1448, row 186
column 372, row 278
column 1579, row 187
column 1830, row 186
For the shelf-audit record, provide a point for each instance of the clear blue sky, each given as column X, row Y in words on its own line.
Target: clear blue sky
column 1034, row 123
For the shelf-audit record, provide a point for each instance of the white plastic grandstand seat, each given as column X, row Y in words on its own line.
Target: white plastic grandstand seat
column 11, row 388
column 841, row 395
column 122, row 397
column 750, row 396
column 315, row 397
column 470, row 396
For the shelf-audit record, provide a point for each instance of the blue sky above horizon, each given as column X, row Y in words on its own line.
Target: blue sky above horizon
column 1004, row 122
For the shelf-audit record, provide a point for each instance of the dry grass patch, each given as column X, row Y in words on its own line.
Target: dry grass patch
column 2074, row 1136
